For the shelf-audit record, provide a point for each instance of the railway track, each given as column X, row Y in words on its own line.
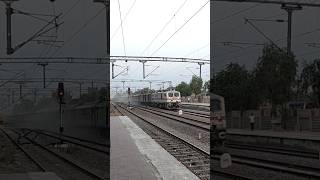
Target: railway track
column 194, row 158
column 265, row 164
column 276, row 150
column 203, row 125
column 92, row 145
column 48, row 159
column 267, row 149
column 202, row 114
column 38, row 164
column 197, row 114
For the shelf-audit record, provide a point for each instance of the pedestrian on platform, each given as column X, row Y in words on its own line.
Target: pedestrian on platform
column 251, row 117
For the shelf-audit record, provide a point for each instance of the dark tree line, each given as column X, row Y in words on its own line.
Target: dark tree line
column 274, row 80
column 196, row 86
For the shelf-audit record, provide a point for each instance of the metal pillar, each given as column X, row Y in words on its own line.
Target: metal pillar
column 35, row 95
column 61, row 124
column 12, row 96
column 200, row 73
column 80, row 89
column 9, row 12
column 20, row 91
column 290, row 10
column 112, row 66
column 143, row 68
column 123, row 85
column 8, row 95
column 44, row 73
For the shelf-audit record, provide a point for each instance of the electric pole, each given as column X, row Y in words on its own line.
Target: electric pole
column 9, row 12
column 44, row 73
column 290, row 9
column 200, row 64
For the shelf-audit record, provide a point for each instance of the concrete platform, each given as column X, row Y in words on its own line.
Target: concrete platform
column 30, row 176
column 310, row 140
column 136, row 156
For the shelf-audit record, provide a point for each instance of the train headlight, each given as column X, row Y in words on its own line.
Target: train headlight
column 222, row 135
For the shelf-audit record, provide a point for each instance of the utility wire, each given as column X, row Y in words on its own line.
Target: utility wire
column 63, row 16
column 71, row 8
column 79, row 30
column 180, row 27
column 164, row 27
column 196, row 50
column 124, row 45
column 234, row 14
column 125, row 17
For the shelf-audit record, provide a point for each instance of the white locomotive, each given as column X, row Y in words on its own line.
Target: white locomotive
column 163, row 99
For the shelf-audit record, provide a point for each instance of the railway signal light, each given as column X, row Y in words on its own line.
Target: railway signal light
column 60, row 90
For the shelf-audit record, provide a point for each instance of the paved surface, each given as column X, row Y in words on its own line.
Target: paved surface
column 30, row 176
column 126, row 162
column 270, row 133
column 136, row 156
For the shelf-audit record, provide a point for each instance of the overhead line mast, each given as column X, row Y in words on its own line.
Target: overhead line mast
column 287, row 5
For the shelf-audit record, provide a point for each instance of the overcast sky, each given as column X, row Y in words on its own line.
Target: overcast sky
column 228, row 24
column 83, row 33
column 144, row 21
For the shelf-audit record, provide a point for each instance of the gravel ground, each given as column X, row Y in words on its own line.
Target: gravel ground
column 12, row 159
column 244, row 170
column 257, row 173
column 161, row 138
column 277, row 157
column 184, row 131
column 202, row 119
column 95, row 161
column 53, row 164
column 114, row 111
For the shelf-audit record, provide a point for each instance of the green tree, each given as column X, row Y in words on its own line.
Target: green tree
column 206, row 86
column 275, row 76
column 234, row 83
column 310, row 78
column 184, row 89
column 196, row 85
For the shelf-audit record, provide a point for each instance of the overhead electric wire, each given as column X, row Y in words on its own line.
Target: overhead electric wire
column 63, row 16
column 125, row 17
column 71, row 8
column 123, row 42
column 234, row 14
column 181, row 27
column 79, row 30
column 164, row 27
column 202, row 47
column 48, row 48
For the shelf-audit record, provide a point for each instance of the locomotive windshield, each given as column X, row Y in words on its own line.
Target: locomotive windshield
column 170, row 94
column 176, row 94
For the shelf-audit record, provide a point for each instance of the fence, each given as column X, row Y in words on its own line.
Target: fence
column 304, row 120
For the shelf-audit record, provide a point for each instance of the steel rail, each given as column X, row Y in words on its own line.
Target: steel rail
column 38, row 164
column 67, row 160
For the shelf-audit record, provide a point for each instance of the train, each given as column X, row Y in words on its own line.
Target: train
column 218, row 112
column 163, row 99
